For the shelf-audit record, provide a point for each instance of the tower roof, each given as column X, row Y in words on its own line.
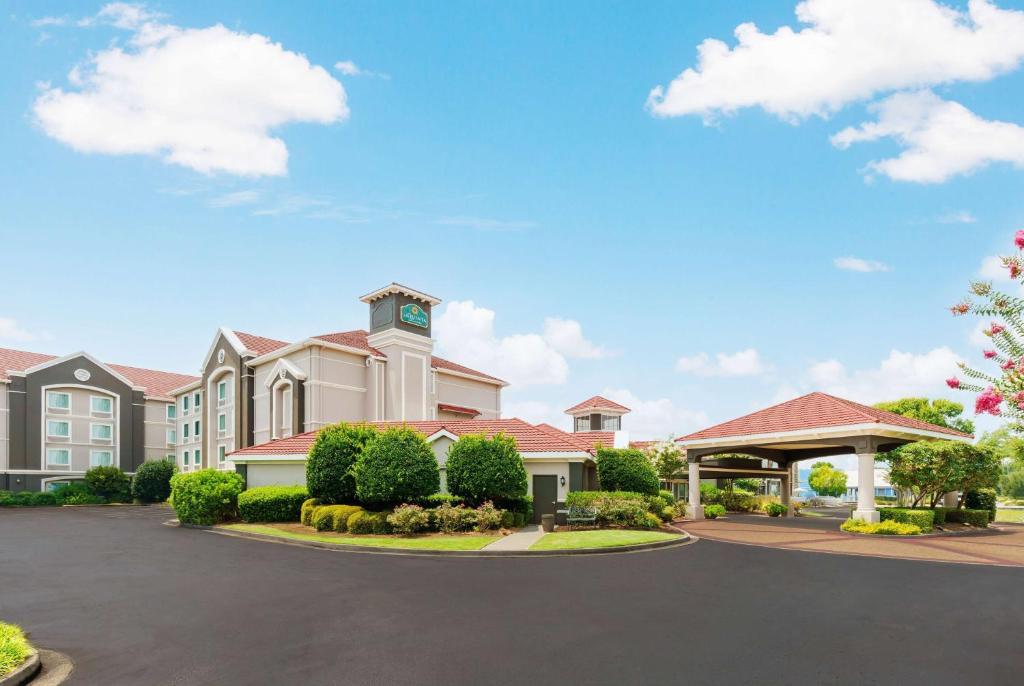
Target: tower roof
column 597, row 403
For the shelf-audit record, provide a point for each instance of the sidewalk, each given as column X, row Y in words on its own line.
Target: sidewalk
column 520, row 540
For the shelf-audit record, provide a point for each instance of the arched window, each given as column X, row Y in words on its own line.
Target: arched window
column 281, row 409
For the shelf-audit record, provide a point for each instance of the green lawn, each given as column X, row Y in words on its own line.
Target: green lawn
column 598, row 538
column 13, row 648
column 438, row 542
column 1016, row 516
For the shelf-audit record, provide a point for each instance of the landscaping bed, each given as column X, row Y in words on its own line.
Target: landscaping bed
column 298, row 532
column 14, row 650
column 601, row 538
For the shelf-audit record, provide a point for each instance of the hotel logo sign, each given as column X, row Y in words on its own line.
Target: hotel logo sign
column 415, row 315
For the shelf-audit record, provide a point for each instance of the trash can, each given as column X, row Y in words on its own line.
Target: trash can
column 547, row 522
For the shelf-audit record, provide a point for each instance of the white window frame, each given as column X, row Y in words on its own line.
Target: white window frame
column 184, row 461
column 58, row 421
column 197, row 458
column 172, row 412
column 172, row 437
column 94, row 453
column 184, row 430
column 102, row 413
column 222, row 393
column 222, row 454
column 50, row 394
column 185, row 399
column 197, row 401
column 93, row 425
column 222, row 424
column 197, row 429
column 67, row 453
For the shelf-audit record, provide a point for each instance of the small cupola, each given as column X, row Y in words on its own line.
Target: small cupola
column 399, row 307
column 597, row 414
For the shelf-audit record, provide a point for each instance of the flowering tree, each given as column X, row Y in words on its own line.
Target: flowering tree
column 1001, row 392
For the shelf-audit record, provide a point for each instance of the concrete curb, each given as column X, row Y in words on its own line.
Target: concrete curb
column 685, row 539
column 25, row 673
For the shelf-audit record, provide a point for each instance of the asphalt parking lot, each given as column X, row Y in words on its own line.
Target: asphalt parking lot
column 135, row 602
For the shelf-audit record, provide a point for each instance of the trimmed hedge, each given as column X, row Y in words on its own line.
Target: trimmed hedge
column 27, row 499
column 333, row 517
column 626, row 469
column 152, row 481
column 109, row 483
column 615, row 508
column 966, row 516
column 921, row 518
column 272, row 503
column 481, row 469
column 589, row 498
column 982, row 499
column 330, row 461
column 364, row 522
column 76, row 493
column 206, row 497
column 306, row 512
column 889, row 527
column 397, row 466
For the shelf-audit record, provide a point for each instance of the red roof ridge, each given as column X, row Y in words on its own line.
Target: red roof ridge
column 598, row 402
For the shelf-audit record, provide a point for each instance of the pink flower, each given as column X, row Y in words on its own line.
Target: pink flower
column 953, row 382
column 1014, row 270
column 1018, row 399
column 989, row 354
column 988, row 402
column 1008, row 365
column 996, row 329
column 1018, row 239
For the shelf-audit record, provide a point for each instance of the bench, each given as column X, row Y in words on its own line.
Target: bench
column 581, row 515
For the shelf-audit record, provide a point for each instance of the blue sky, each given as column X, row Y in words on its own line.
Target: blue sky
column 508, row 154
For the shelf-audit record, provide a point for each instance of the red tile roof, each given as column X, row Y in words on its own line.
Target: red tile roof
column 529, row 438
column 443, row 364
column 812, row 411
column 597, row 403
column 259, row 344
column 587, row 440
column 157, row 384
column 457, row 409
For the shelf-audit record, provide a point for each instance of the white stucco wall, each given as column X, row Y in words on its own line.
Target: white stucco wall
column 276, row 475
column 482, row 397
column 558, row 469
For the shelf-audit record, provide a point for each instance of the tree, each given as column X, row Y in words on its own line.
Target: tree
column 331, row 459
column 931, row 469
column 825, row 479
column 668, row 461
column 1001, row 391
column 626, row 469
column 1006, row 445
column 396, row 466
column 152, row 481
column 940, row 412
column 481, row 469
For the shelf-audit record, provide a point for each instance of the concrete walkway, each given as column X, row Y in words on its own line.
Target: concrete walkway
column 520, row 540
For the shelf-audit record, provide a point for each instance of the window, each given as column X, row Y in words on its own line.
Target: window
column 57, row 400
column 582, row 424
column 100, row 458
column 197, row 458
column 222, row 453
column 99, row 404
column 184, row 431
column 170, row 457
column 611, row 423
column 222, row 424
column 281, row 411
column 172, row 412
column 171, row 437
column 54, row 485
column 101, row 432
column 58, row 457
column 58, row 429
column 222, row 393
column 184, row 458
column 184, row 405
column 197, row 401
column 195, row 432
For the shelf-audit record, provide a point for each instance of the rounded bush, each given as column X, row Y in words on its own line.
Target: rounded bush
column 395, row 467
column 333, row 517
column 306, row 512
column 982, row 499
column 488, row 517
column 109, row 483
column 448, row 519
column 713, row 511
column 409, row 519
column 330, row 461
column 364, row 522
column 272, row 503
column 481, row 469
column 624, row 469
column 76, row 493
column 206, row 497
column 152, row 481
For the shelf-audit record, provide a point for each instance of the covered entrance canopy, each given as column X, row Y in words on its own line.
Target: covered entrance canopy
column 811, row 426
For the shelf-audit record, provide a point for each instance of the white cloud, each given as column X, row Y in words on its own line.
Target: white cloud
column 849, row 50
column 941, row 139
column 960, row 217
column 856, row 264
column 206, row 99
column 484, row 223
column 655, row 419
column 235, row 199
column 742, row 363
column 49, row 21
column 465, row 333
column 992, row 268
column 11, row 331
column 900, row 375
column 350, row 68
column 536, row 412
column 122, row 15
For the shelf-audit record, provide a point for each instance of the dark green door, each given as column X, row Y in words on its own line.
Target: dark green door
column 545, row 493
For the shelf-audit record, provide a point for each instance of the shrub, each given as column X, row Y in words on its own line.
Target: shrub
column 440, row 499
column 651, row 521
column 940, row 515
column 1011, row 483
column 447, row 518
column 14, row 648
column 396, row 466
column 363, row 522
column 488, row 517
column 206, row 497
column 485, row 469
column 680, row 509
column 409, row 519
column 775, row 509
column 738, row 502
column 966, row 516
column 590, row 498
column 667, row 496
column 523, row 507
column 668, row 514
column 76, row 493
column 889, row 527
column 656, row 503
column 982, row 499
column 625, row 469
column 714, row 511
column 613, row 508
column 109, row 483
column 272, row 503
column 330, row 461
column 152, row 481
column 921, row 518
column 306, row 511
column 27, row 499
column 710, row 494
column 333, row 517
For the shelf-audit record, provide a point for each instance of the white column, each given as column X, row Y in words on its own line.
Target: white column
column 696, row 509
column 951, row 499
column 866, row 488
column 784, row 494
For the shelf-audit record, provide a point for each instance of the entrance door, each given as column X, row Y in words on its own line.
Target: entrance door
column 545, row 493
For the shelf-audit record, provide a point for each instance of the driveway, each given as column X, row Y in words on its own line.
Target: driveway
column 135, row 602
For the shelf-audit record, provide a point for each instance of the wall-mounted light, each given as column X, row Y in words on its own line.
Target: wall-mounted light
column 561, row 480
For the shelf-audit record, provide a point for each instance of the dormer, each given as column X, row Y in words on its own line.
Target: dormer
column 597, row 414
